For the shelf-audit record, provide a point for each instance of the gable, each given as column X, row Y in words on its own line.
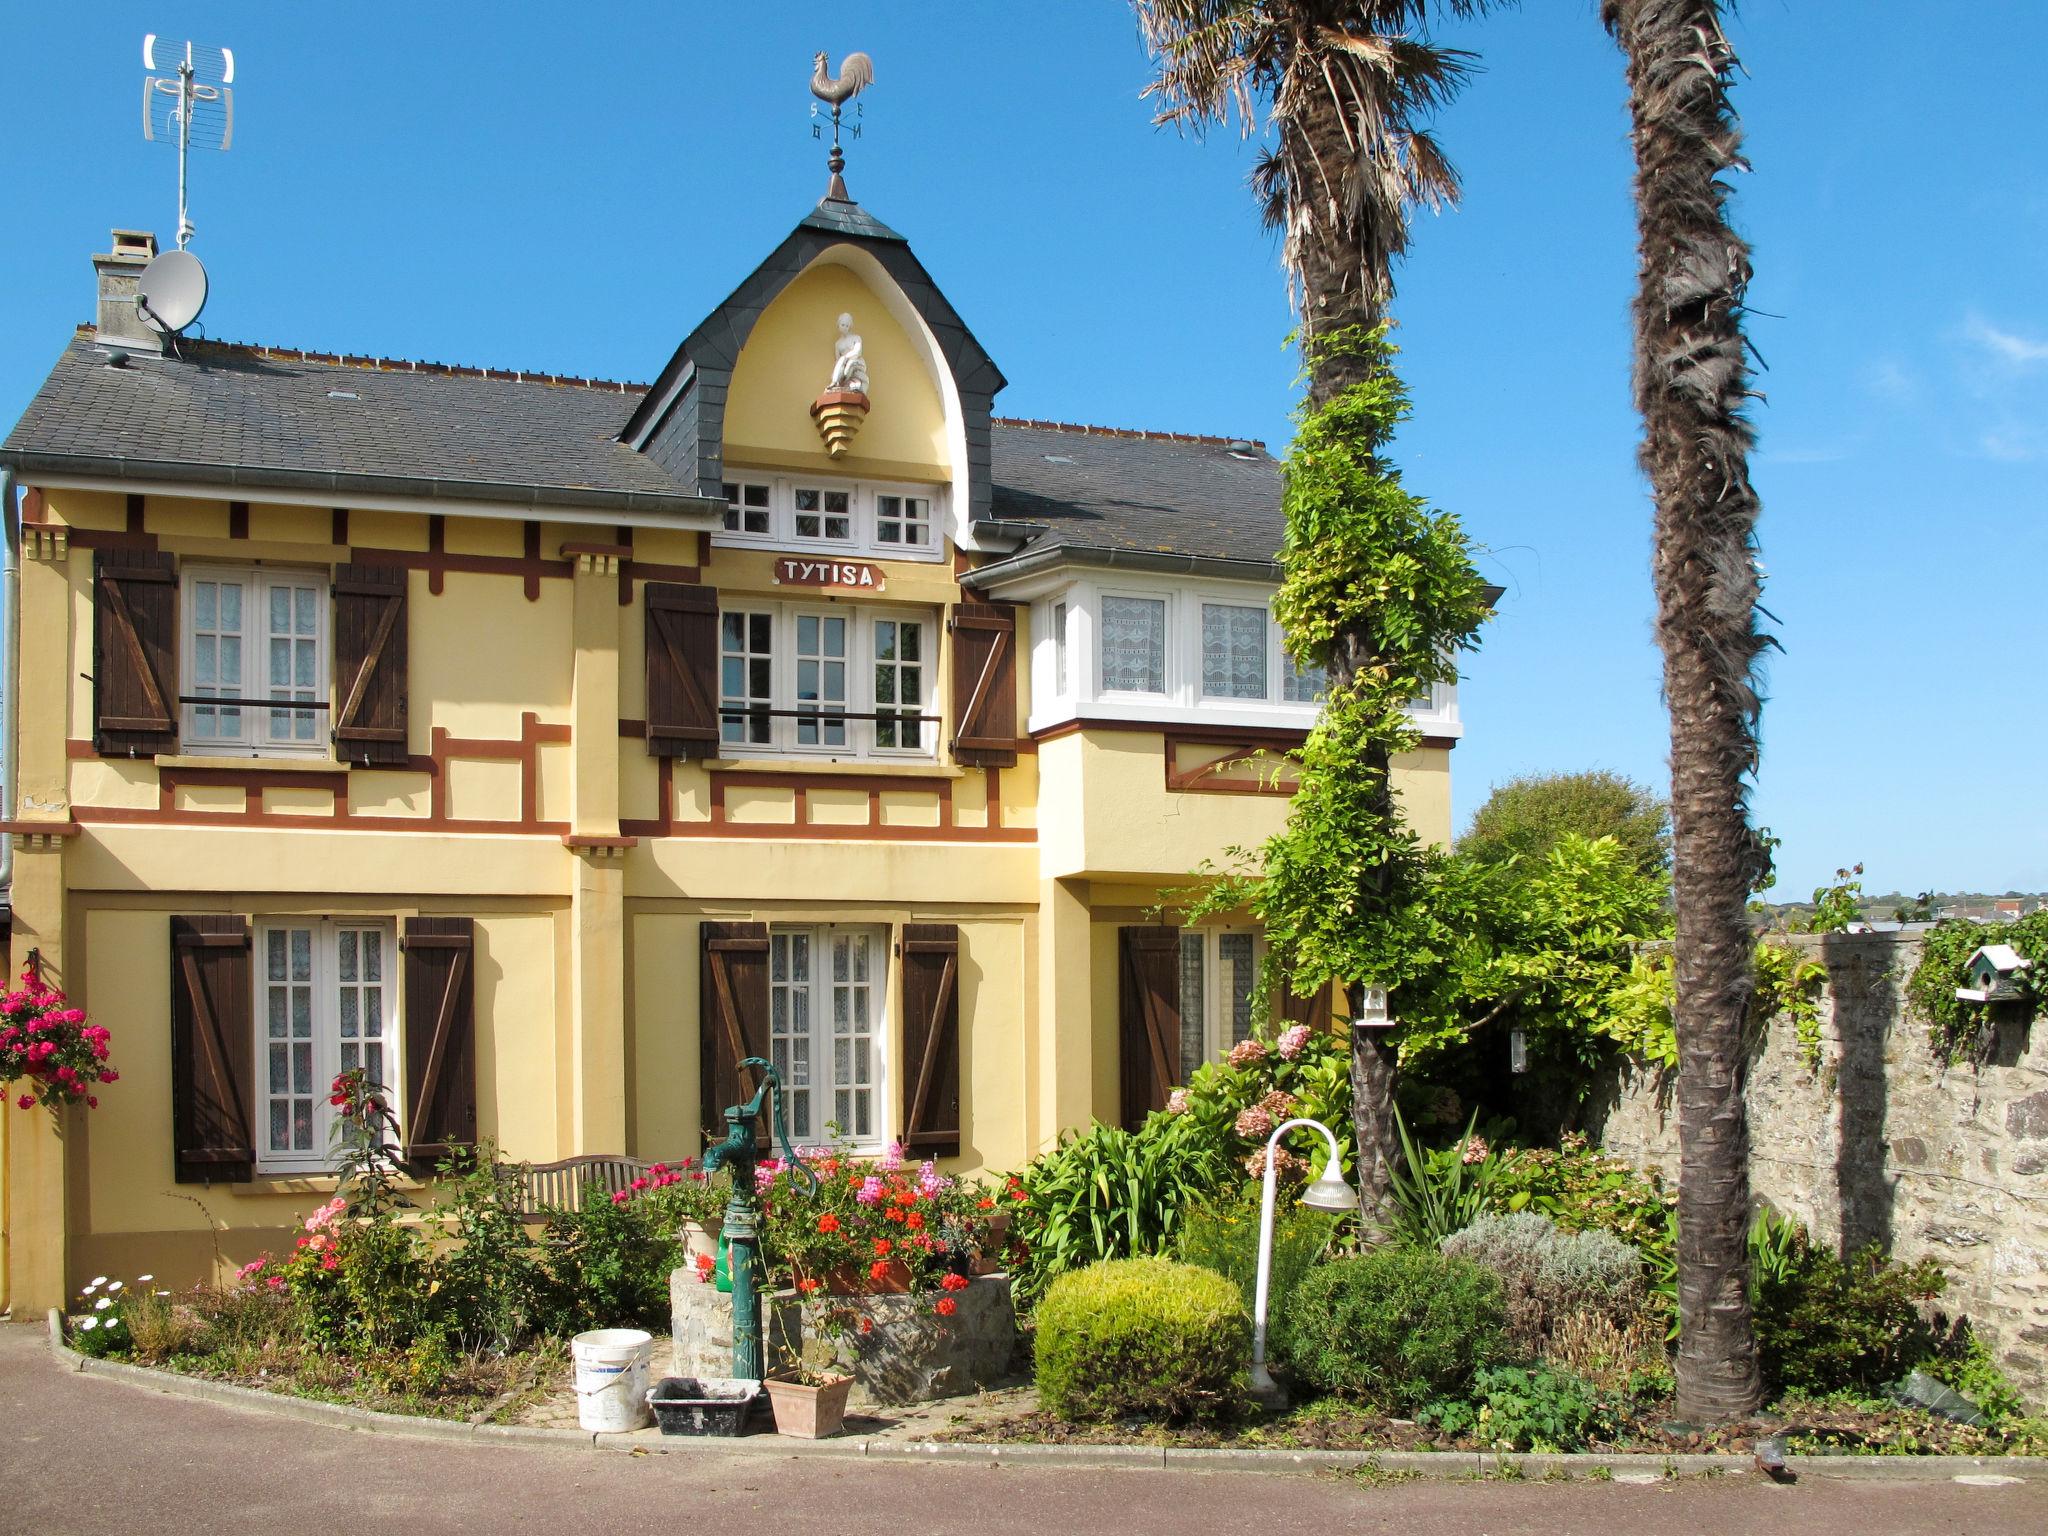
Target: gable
column 787, row 360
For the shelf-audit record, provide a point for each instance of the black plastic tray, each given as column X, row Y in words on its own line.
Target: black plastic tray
column 686, row 1405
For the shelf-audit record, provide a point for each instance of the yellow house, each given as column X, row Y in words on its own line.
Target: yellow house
column 545, row 745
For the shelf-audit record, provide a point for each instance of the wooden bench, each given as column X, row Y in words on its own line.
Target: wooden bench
column 561, row 1186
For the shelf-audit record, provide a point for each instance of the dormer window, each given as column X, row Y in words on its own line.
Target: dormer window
column 895, row 522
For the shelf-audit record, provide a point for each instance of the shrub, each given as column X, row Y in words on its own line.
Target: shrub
column 1825, row 1324
column 1528, row 816
column 604, row 1265
column 490, row 1277
column 1224, row 1237
column 1396, row 1327
column 1142, row 1337
column 1547, row 1275
column 1582, row 1190
column 1441, row 1192
column 1515, row 1409
column 161, row 1327
column 1111, row 1194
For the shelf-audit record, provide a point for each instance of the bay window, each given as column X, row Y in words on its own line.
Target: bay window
column 1133, row 645
column 1233, row 651
column 837, row 680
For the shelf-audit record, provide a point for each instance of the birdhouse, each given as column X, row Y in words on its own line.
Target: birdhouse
column 1372, row 1009
column 1994, row 975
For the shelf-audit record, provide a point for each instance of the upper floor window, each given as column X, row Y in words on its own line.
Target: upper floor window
column 1233, row 651
column 890, row 520
column 1133, row 645
column 1301, row 684
column 326, row 1003
column 255, row 643
column 849, row 682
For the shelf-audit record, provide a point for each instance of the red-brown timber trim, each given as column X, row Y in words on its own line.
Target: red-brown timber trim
column 40, row 828
column 135, row 513
column 626, row 569
column 91, row 538
column 532, row 575
column 238, row 519
column 340, row 534
column 252, row 778
column 437, row 546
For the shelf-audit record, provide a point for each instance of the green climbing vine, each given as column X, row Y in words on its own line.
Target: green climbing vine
column 1962, row 1031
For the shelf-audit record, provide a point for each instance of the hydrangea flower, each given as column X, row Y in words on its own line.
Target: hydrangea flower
column 1246, row 1052
column 1293, row 1041
column 1254, row 1123
column 1178, row 1102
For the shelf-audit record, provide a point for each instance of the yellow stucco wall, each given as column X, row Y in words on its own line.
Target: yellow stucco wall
column 787, row 361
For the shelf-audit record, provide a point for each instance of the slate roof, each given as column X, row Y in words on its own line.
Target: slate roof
column 1103, row 488
column 256, row 415
column 227, row 414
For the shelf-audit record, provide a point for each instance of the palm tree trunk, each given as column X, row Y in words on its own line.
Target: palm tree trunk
column 1691, row 381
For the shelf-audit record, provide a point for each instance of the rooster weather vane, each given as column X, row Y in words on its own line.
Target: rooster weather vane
column 856, row 74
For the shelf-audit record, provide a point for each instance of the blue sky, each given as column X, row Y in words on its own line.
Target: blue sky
column 507, row 185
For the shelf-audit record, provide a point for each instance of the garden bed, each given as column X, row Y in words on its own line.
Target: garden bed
column 1835, row 1428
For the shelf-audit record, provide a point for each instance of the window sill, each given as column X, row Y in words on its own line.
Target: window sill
column 864, row 767
column 310, row 1184
column 287, row 762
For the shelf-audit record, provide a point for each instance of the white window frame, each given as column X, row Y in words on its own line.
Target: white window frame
column 861, row 735
column 1170, row 667
column 820, row 1034
column 328, row 1048
column 864, row 509
column 256, row 582
column 1217, row 1033
column 1061, row 693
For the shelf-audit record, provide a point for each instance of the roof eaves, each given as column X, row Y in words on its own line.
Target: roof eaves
column 410, row 487
column 1045, row 557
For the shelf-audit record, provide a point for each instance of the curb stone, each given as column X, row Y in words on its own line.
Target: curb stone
column 1444, row 1465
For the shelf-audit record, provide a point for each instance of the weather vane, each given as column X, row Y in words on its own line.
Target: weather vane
column 856, row 74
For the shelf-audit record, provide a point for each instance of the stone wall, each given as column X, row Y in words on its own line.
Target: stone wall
column 1883, row 1144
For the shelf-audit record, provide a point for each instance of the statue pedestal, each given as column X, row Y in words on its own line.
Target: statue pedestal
column 839, row 414
column 700, row 1318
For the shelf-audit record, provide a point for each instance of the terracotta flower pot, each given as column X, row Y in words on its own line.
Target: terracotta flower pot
column 698, row 1239
column 861, row 1280
column 809, row 1412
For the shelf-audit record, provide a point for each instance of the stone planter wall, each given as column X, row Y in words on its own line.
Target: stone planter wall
column 1884, row 1144
column 912, row 1355
column 700, row 1318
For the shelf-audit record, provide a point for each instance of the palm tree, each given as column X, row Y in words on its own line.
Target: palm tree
column 1691, row 382
column 1346, row 87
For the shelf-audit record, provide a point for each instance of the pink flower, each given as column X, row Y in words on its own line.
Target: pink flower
column 1178, row 1102
column 1475, row 1150
column 621, row 1197
column 892, row 1159
column 1254, row 1124
column 1245, row 1052
column 870, row 1191
column 1279, row 1104
column 930, row 1180
column 1293, row 1041
column 26, row 1101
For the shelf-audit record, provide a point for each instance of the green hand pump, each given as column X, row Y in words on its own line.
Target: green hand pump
column 743, row 1213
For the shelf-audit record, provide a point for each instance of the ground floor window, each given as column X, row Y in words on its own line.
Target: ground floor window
column 1219, row 969
column 327, row 1002
column 826, row 1035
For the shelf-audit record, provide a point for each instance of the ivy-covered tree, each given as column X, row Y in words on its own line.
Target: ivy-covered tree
column 1380, row 590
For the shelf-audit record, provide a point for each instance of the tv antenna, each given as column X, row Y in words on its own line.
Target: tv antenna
column 186, row 101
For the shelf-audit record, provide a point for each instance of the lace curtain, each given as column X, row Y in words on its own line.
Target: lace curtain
column 1233, row 652
column 1133, row 645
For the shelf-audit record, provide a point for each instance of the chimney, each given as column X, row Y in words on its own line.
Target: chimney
column 118, row 271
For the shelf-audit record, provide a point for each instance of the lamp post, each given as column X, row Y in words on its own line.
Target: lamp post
column 1329, row 1193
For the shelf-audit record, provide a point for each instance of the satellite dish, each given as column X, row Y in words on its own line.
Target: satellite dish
column 171, row 291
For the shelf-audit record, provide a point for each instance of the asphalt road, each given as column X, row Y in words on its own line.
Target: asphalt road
column 84, row 1453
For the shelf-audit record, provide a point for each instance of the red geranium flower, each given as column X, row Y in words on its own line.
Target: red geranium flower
column 828, row 1222
column 879, row 1270
column 882, row 1246
column 954, row 1283
column 946, row 1306
column 807, row 1285
column 914, row 1220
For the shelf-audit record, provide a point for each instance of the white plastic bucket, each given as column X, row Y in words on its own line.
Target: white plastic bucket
column 611, row 1379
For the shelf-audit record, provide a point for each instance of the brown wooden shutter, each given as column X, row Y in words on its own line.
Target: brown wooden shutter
column 370, row 686
column 1148, row 1016
column 682, row 669
column 984, row 684
column 440, row 1037
column 931, row 1039
column 213, row 1050
column 732, row 1018
column 135, row 652
column 1313, row 1010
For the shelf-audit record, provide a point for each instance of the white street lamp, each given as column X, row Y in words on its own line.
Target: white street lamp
column 1329, row 1193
